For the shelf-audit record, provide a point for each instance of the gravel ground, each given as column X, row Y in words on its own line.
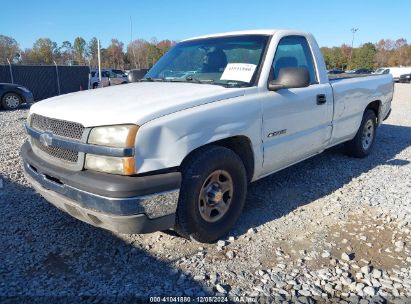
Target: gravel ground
column 331, row 228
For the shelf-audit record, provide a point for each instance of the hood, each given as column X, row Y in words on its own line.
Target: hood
column 134, row 103
column 10, row 85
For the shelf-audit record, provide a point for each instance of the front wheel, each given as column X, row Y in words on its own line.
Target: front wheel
column 212, row 195
column 361, row 145
column 11, row 101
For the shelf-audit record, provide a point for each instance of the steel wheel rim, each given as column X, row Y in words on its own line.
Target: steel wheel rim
column 215, row 196
column 12, row 101
column 368, row 135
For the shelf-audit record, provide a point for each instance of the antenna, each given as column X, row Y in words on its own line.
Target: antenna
column 131, row 42
column 131, row 30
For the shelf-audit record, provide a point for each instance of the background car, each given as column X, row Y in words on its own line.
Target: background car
column 12, row 96
column 109, row 77
column 335, row 71
column 359, row 71
column 405, row 78
column 381, row 71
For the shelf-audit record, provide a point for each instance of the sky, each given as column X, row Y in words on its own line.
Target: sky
column 330, row 21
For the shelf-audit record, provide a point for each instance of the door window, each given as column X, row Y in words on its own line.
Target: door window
column 293, row 52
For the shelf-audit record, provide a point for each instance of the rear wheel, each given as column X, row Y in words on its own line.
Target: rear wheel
column 212, row 196
column 11, row 101
column 361, row 145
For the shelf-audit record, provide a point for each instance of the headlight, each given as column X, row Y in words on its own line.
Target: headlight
column 121, row 136
column 24, row 89
column 108, row 164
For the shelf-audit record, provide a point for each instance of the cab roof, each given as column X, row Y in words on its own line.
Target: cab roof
column 268, row 32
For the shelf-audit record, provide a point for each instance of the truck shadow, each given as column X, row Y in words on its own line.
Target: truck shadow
column 303, row 183
column 49, row 257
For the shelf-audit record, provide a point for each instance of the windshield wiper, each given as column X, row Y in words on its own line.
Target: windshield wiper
column 196, row 80
column 150, row 79
column 229, row 84
column 232, row 84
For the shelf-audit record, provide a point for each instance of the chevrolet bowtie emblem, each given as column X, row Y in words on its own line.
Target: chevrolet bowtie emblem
column 46, row 139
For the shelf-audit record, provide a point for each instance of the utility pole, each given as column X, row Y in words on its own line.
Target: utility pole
column 99, row 63
column 353, row 31
column 131, row 42
column 131, row 30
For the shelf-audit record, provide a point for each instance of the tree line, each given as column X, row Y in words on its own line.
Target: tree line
column 139, row 54
column 142, row 54
column 384, row 53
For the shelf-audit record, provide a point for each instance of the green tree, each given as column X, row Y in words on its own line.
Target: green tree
column 346, row 53
column 165, row 45
column 334, row 57
column 114, row 55
column 66, row 51
column 44, row 51
column 9, row 49
column 364, row 56
column 153, row 54
column 79, row 46
column 92, row 51
column 326, row 55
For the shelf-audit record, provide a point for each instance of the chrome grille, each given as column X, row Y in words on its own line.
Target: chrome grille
column 58, row 127
column 57, row 152
column 62, row 128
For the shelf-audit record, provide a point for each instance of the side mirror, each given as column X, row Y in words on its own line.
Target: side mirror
column 290, row 78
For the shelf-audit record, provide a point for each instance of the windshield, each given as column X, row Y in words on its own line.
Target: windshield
column 227, row 61
column 118, row 72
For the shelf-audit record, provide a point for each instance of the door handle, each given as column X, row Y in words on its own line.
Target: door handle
column 321, row 99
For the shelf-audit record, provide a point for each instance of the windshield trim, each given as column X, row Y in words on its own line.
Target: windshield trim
column 225, row 85
column 261, row 63
column 253, row 82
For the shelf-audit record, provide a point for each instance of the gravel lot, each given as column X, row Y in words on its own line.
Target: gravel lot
column 329, row 228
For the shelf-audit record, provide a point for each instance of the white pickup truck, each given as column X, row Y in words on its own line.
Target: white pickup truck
column 178, row 149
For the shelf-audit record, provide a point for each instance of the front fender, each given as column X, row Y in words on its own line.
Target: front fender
column 165, row 142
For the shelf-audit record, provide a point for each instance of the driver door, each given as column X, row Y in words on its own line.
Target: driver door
column 297, row 121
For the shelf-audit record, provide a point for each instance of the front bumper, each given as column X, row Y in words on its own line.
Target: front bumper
column 123, row 204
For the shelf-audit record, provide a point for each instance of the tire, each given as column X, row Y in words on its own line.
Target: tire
column 361, row 145
column 95, row 85
column 206, row 176
column 11, row 101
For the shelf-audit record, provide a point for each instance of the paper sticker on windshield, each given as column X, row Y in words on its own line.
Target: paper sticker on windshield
column 238, row 72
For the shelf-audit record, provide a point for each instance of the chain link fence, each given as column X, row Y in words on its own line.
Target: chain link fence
column 46, row 81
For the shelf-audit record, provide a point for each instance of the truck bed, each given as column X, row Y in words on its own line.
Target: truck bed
column 351, row 96
column 346, row 76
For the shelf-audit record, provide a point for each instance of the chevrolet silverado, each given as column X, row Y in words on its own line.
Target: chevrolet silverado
column 179, row 148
